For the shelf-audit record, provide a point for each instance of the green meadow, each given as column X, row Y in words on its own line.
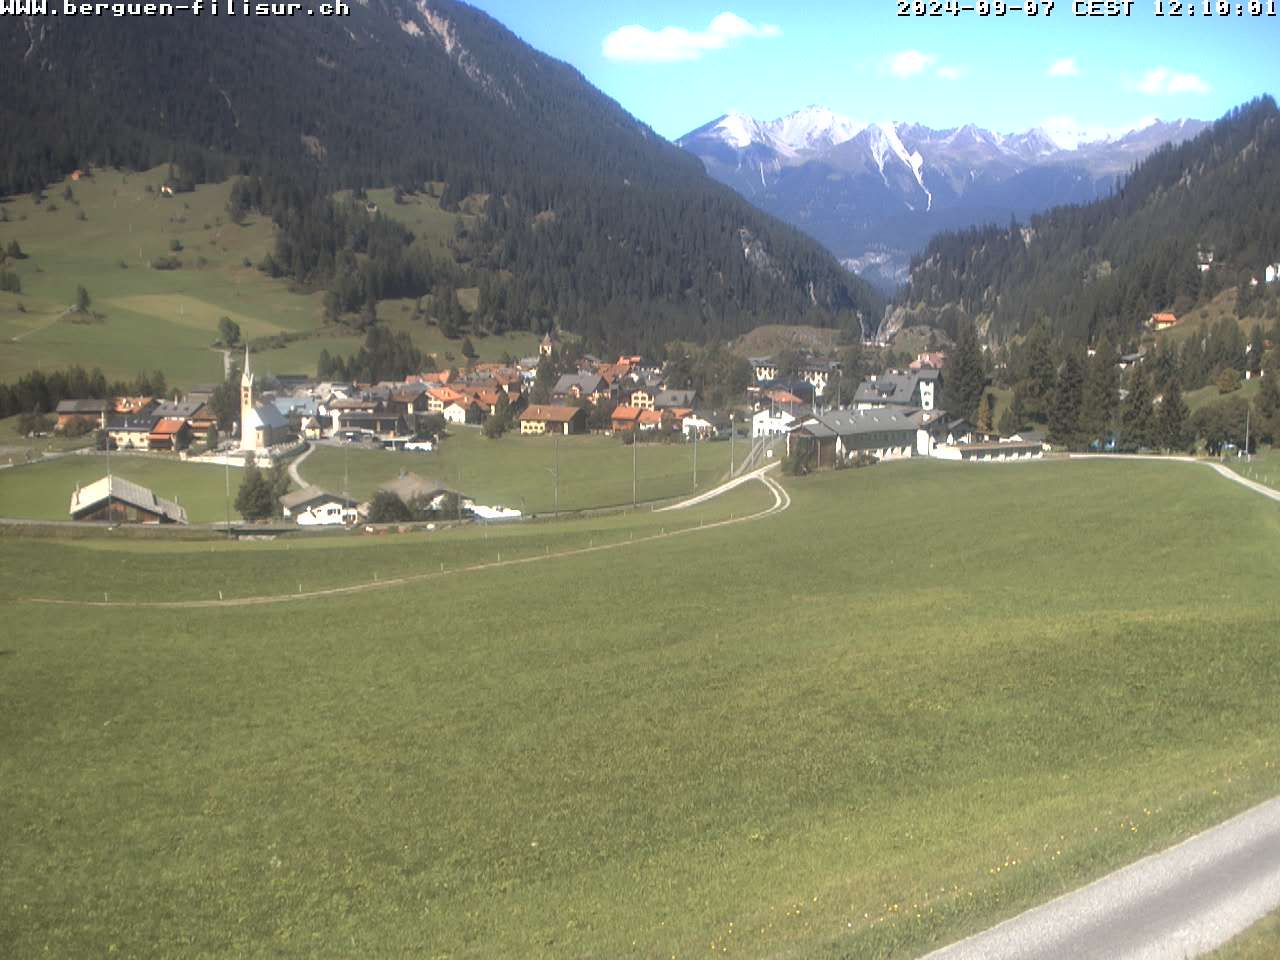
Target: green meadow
column 923, row 698
column 167, row 319
column 519, row 472
column 1259, row 942
column 42, row 491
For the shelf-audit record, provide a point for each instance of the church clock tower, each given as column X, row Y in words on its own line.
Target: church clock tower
column 248, row 420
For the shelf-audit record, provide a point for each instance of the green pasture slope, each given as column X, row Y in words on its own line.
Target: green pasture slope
column 1259, row 942
column 927, row 696
column 167, row 319
column 42, row 491
column 515, row 471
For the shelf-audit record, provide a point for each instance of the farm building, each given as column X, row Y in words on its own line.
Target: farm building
column 1002, row 451
column 917, row 389
column 841, row 435
column 169, row 433
column 115, row 500
column 537, row 419
column 625, row 419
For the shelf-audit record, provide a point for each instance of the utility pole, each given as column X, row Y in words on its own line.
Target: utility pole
column 633, row 470
column 733, row 428
column 1248, row 456
column 556, row 445
column 695, row 458
column 226, row 469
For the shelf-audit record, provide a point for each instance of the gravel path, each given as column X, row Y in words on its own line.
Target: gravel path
column 1174, row 905
column 296, row 462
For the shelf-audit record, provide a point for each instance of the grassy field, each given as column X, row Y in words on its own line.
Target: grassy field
column 1207, row 395
column 1259, row 942
column 924, row 698
column 167, row 319
column 595, row 471
column 42, row 491
column 1264, row 467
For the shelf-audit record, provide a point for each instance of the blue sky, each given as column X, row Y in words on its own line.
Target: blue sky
column 678, row 65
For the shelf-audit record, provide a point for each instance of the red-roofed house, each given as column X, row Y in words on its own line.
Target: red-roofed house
column 169, row 434
column 539, row 418
column 626, row 419
column 1163, row 321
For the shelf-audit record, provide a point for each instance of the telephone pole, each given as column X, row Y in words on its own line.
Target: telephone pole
column 633, row 470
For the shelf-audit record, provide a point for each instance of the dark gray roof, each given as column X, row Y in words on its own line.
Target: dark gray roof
column 82, row 406
column 894, row 388
column 674, row 398
column 309, row 495
column 848, row 423
column 177, row 409
column 587, row 383
column 132, row 423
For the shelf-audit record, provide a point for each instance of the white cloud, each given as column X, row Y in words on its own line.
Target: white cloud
column 908, row 63
column 1162, row 81
column 1066, row 67
column 672, row 44
column 950, row 73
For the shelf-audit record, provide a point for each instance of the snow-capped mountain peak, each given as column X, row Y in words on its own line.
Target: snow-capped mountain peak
column 738, row 130
column 810, row 130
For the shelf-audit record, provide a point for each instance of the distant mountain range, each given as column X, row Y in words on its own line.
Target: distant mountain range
column 875, row 193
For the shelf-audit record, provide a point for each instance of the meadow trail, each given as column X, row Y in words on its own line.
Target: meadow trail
column 1231, row 475
column 781, row 502
column 1173, row 905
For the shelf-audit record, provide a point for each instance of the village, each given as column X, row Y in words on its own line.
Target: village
column 790, row 414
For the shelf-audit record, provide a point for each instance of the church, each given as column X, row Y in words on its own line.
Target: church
column 261, row 426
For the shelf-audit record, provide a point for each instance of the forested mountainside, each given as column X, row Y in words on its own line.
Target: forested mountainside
column 587, row 218
column 1101, row 269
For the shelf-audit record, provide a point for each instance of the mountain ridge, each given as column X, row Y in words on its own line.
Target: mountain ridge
column 875, row 193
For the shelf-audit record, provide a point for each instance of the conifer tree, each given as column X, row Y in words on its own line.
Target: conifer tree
column 1173, row 418
column 965, row 379
column 1101, row 395
column 1068, row 399
column 1136, row 415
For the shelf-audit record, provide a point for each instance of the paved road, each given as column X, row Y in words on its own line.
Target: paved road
column 1174, row 905
column 297, row 462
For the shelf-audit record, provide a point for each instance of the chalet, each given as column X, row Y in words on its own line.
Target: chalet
column 135, row 406
column 935, row 359
column 420, row 491
column 538, row 419
column 625, row 419
column 781, row 397
column 649, row 421
column 817, row 372
column 581, row 386
column 115, row 500
column 840, row 435
column 130, row 432
column 169, row 433
column 774, row 422
column 466, row 410
column 641, row 397
column 670, row 399
column 917, row 389
column 763, row 368
column 1163, row 321
column 313, row 507
column 90, row 412
column 692, row 425
column 202, row 422
column 440, row 397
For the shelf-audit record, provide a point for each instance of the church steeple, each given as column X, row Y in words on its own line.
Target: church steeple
column 246, row 391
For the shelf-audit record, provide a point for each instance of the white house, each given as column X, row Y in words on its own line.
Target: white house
column 695, row 424
column 1273, row 272
column 313, row 507
column 771, row 423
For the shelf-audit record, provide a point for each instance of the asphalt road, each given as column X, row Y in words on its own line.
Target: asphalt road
column 1174, row 905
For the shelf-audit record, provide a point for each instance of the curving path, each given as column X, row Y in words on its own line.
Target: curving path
column 1174, row 905
column 781, row 502
column 1253, row 485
